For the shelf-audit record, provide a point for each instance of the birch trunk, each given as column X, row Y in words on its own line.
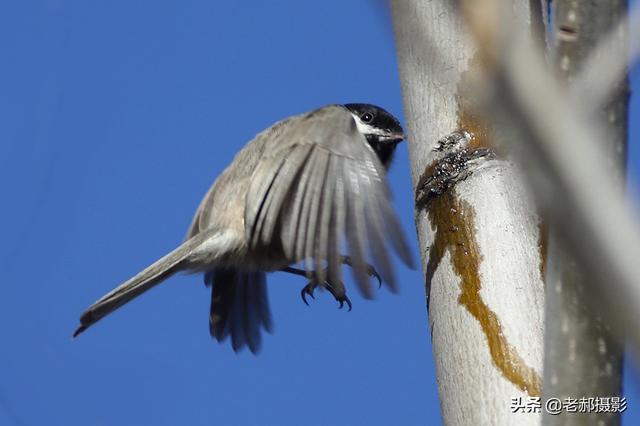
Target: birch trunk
column 477, row 227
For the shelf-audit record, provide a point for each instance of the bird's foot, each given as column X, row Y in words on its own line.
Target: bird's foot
column 337, row 291
column 308, row 290
column 340, row 295
column 371, row 271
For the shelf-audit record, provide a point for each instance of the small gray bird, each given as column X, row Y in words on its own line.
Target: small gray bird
column 301, row 191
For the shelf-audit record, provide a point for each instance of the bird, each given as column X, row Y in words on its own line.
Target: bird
column 309, row 190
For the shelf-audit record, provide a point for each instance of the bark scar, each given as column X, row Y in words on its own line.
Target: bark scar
column 454, row 223
column 454, row 161
column 456, row 157
column 568, row 33
column 453, row 220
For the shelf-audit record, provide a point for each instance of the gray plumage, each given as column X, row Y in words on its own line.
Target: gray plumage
column 298, row 192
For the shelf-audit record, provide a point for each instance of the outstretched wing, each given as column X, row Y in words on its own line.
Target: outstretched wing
column 319, row 183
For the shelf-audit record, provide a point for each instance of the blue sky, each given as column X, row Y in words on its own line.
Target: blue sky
column 116, row 117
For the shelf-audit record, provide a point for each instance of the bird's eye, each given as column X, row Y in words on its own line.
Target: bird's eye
column 367, row 117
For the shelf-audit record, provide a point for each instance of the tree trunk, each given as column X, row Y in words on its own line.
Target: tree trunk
column 477, row 227
column 582, row 357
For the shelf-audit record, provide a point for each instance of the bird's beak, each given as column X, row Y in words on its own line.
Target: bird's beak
column 394, row 137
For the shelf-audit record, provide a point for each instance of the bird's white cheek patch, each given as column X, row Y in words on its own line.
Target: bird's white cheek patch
column 365, row 128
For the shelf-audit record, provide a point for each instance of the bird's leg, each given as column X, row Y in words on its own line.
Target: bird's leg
column 336, row 289
column 307, row 289
column 346, row 260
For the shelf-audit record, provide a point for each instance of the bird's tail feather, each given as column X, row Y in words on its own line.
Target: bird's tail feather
column 140, row 283
column 239, row 307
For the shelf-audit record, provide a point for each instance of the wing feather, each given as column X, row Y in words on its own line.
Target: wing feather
column 356, row 233
column 326, row 187
column 302, row 229
column 314, row 199
column 261, row 187
column 337, row 230
column 289, row 171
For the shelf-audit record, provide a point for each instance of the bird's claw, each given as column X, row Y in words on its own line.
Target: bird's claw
column 308, row 290
column 340, row 297
column 347, row 301
column 373, row 273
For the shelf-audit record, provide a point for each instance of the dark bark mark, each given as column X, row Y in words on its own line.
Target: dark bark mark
column 454, row 223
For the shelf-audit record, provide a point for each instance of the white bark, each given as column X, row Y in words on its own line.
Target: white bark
column 480, row 239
